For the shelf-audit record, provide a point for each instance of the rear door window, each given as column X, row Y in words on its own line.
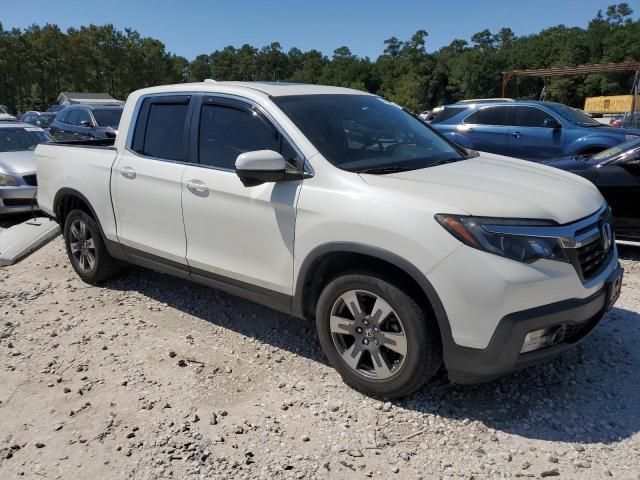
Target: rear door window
column 445, row 114
column 489, row 116
column 161, row 126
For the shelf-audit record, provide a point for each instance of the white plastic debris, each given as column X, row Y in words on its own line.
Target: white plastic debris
column 24, row 238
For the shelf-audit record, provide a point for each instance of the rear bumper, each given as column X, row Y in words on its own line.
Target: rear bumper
column 17, row 199
column 502, row 356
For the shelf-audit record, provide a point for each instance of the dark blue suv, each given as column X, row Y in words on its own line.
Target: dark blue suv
column 526, row 129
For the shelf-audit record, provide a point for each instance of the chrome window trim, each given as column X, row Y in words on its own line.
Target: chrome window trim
column 566, row 234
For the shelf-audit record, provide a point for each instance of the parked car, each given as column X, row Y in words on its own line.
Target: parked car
column 83, row 122
column 39, row 119
column 529, row 130
column 18, row 166
column 405, row 249
column 5, row 116
column 626, row 121
column 616, row 173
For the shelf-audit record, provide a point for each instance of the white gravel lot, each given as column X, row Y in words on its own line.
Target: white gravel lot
column 151, row 377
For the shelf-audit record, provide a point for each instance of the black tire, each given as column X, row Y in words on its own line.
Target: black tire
column 422, row 341
column 104, row 265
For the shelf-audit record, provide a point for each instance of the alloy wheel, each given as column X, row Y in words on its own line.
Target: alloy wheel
column 368, row 334
column 82, row 246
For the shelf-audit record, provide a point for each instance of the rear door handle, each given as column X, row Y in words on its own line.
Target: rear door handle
column 515, row 134
column 196, row 186
column 128, row 172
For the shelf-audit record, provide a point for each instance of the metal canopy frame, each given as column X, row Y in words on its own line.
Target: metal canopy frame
column 546, row 73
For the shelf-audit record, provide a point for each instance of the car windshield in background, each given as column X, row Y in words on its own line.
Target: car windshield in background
column 574, row 116
column 612, row 152
column 362, row 133
column 46, row 120
column 108, row 117
column 20, row 139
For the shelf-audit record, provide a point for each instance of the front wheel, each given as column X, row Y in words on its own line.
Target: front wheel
column 376, row 336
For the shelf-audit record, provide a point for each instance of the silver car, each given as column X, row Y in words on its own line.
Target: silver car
column 18, row 183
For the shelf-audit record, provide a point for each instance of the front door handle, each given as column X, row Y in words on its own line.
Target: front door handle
column 128, row 172
column 515, row 134
column 196, row 186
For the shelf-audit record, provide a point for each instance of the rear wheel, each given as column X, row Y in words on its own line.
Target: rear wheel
column 377, row 337
column 86, row 250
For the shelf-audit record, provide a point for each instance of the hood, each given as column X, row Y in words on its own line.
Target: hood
column 17, row 162
column 495, row 186
column 573, row 163
column 618, row 131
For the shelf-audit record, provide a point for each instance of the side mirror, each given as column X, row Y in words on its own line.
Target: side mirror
column 86, row 123
column 551, row 123
column 260, row 166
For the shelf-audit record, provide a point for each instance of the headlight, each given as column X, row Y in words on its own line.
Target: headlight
column 8, row 180
column 523, row 248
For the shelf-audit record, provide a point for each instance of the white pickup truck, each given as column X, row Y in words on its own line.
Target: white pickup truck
column 335, row 205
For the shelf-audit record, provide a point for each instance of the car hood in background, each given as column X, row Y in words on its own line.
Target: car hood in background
column 496, row 186
column 17, row 162
column 573, row 163
column 617, row 130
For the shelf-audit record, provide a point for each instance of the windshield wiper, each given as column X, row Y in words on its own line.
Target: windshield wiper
column 385, row 169
column 450, row 160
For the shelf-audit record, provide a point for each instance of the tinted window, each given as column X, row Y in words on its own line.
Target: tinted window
column 489, row 116
column 72, row 118
column 29, row 119
column 108, row 117
column 164, row 132
column 364, row 132
column 529, row 117
column 445, row 114
column 62, row 116
column 83, row 116
column 226, row 132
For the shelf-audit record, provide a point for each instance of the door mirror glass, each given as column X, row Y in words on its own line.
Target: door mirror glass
column 260, row 166
column 551, row 123
column 86, row 123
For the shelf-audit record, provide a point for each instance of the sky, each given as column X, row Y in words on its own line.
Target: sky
column 192, row 27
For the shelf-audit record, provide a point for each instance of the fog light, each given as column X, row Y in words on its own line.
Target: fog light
column 544, row 337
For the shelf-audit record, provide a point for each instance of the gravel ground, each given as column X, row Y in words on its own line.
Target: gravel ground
column 152, row 377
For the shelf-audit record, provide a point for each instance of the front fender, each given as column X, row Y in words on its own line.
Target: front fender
column 591, row 143
column 459, row 139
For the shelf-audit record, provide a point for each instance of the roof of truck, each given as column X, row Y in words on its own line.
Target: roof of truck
column 272, row 89
column 280, row 89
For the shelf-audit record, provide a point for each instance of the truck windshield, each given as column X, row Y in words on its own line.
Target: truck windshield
column 108, row 117
column 364, row 133
column 574, row 116
column 20, row 139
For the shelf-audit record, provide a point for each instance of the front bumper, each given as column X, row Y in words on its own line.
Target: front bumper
column 17, row 199
column 502, row 355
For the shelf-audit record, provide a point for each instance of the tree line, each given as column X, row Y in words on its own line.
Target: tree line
column 39, row 62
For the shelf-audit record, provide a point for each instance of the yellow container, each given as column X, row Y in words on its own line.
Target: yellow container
column 610, row 104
